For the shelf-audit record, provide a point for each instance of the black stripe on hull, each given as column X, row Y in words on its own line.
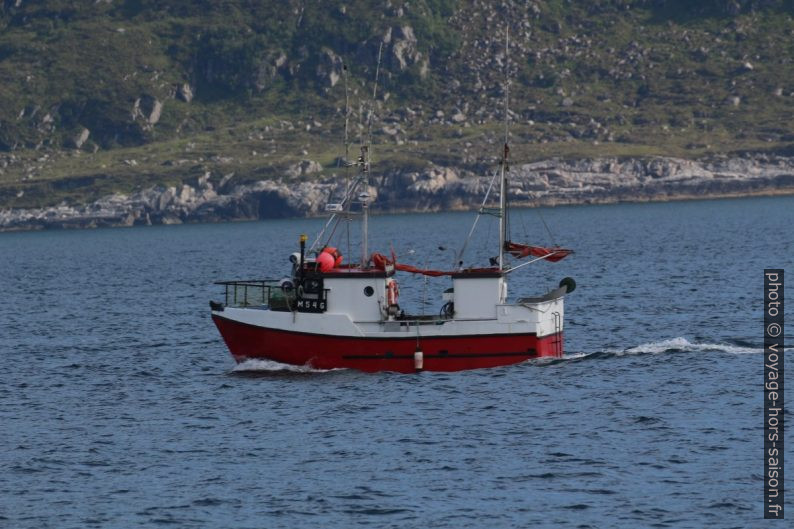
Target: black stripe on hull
column 531, row 352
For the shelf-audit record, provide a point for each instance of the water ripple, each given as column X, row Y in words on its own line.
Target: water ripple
column 121, row 407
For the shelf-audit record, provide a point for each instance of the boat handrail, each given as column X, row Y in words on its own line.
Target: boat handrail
column 255, row 292
column 249, row 281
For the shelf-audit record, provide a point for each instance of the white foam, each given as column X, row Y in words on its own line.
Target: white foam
column 674, row 344
column 575, row 356
column 682, row 344
column 272, row 366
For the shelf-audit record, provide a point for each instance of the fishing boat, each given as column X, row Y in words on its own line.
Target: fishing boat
column 327, row 314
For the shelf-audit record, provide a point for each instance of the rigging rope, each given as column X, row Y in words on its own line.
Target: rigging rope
column 543, row 220
column 477, row 218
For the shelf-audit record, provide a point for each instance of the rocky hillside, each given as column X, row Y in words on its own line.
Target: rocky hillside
column 123, row 96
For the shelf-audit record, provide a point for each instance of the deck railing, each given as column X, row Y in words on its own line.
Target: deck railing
column 257, row 293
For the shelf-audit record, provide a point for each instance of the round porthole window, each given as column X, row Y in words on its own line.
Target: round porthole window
column 368, row 291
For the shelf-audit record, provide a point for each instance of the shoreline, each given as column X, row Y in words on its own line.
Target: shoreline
column 550, row 182
column 100, row 223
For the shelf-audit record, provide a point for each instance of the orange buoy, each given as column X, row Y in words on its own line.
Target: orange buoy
column 333, row 252
column 325, row 262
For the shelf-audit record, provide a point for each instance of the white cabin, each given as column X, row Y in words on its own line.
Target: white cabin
column 476, row 295
column 359, row 294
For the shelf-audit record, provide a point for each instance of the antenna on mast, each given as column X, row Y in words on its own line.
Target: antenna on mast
column 347, row 114
column 505, row 154
column 346, row 159
column 507, row 83
column 364, row 161
column 374, row 96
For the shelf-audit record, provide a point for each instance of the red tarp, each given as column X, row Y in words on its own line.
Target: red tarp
column 516, row 250
column 380, row 261
column 523, row 250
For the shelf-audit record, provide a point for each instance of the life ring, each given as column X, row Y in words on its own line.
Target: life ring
column 392, row 293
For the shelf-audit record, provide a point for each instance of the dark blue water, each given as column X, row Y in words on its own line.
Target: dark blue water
column 120, row 406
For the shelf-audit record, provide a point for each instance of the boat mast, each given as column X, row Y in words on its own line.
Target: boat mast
column 364, row 198
column 503, row 175
column 342, row 210
column 348, row 184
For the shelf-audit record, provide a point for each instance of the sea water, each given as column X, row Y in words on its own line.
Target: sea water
column 121, row 407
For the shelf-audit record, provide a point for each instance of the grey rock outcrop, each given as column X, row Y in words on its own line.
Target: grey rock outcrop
column 304, row 168
column 148, row 109
column 329, row 67
column 547, row 182
column 184, row 92
column 402, row 49
column 80, row 138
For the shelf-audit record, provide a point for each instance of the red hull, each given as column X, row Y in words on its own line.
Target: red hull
column 447, row 353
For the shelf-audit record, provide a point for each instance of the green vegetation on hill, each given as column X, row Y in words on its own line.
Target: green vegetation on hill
column 116, row 95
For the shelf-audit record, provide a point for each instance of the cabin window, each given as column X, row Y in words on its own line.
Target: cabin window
column 368, row 291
